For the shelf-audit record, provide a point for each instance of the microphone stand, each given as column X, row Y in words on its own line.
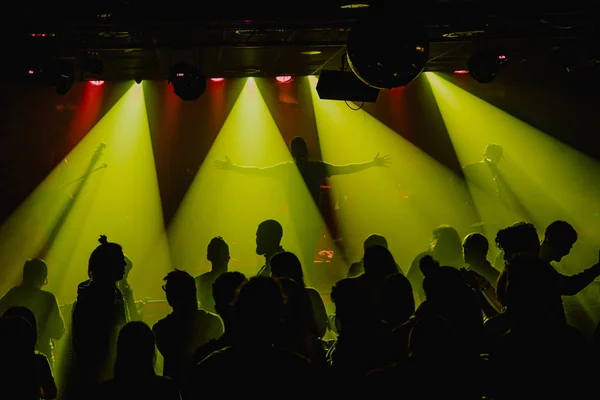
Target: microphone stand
column 105, row 165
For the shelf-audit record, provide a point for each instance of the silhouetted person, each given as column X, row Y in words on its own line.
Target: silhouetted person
column 359, row 347
column 98, row 315
column 559, row 238
column 538, row 340
column 268, row 243
column 134, row 369
column 298, row 332
column 445, row 247
column 492, row 198
column 397, row 301
column 485, row 171
column 225, row 291
column 314, row 173
column 475, row 250
column 43, row 304
column 358, row 267
column 180, row 333
column 127, row 292
column 24, row 373
column 218, row 255
column 480, row 275
column 255, row 366
column 287, row 265
column 379, row 263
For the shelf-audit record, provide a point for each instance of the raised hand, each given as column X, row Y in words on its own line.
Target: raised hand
column 381, row 161
column 224, row 164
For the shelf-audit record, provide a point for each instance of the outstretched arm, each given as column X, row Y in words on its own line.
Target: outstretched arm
column 257, row 171
column 353, row 168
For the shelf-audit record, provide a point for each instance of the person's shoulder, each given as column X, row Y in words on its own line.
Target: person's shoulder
column 49, row 296
column 203, row 314
column 40, row 357
column 165, row 383
column 14, row 289
column 206, row 349
column 161, row 323
column 203, row 277
column 218, row 358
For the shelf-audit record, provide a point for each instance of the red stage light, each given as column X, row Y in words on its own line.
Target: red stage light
column 97, row 83
column 461, row 72
column 284, row 79
column 217, row 79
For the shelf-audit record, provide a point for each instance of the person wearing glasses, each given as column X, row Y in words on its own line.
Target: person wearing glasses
column 42, row 303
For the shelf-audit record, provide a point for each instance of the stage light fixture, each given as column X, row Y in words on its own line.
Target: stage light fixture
column 187, row 81
column 484, row 66
column 217, row 79
column 93, row 64
column 54, row 73
column 138, row 80
column 63, row 77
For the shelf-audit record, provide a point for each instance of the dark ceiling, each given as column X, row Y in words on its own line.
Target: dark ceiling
column 262, row 38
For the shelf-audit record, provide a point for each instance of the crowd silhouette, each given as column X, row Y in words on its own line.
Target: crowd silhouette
column 451, row 325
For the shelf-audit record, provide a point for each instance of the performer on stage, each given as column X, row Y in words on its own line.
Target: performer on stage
column 314, row 173
column 492, row 199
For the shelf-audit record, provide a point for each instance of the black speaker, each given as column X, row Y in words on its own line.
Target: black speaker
column 344, row 85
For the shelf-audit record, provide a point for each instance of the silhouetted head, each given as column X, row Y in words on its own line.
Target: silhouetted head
column 217, row 253
column 441, row 282
column 353, row 310
column 287, row 265
column 475, row 248
column 397, row 299
column 136, row 351
column 18, row 330
column 375, row 240
column 299, row 148
column 446, row 246
column 35, row 272
column 519, row 240
column 268, row 236
column 379, row 262
column 259, row 309
column 225, row 290
column 180, row 288
column 448, row 294
column 494, row 153
column 559, row 238
column 107, row 262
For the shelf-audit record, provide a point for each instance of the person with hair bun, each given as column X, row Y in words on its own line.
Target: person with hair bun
column 98, row 315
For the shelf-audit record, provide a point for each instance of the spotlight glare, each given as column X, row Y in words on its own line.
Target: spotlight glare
column 96, row 83
column 217, row 79
column 461, row 72
column 283, row 78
